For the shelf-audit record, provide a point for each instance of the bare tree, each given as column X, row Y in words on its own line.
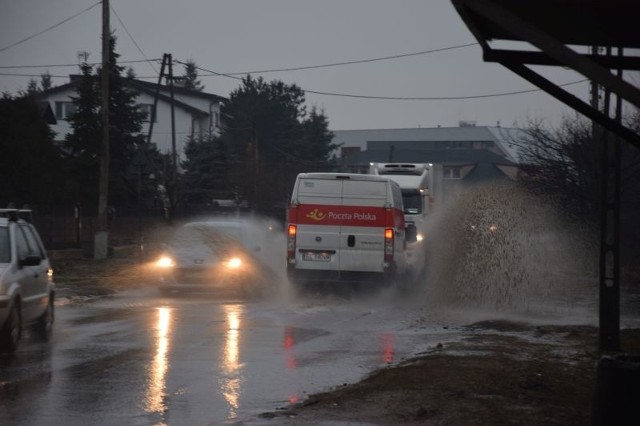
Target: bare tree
column 566, row 163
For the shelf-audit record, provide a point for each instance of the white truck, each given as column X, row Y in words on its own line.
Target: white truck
column 421, row 187
column 346, row 228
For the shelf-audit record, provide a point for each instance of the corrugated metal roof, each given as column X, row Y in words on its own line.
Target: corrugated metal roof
column 503, row 137
column 450, row 157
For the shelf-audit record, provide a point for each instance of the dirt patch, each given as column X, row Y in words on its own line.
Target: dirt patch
column 485, row 379
column 79, row 277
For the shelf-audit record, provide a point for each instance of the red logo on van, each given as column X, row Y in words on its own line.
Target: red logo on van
column 316, row 215
column 342, row 215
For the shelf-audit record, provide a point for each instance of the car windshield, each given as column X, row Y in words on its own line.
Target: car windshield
column 412, row 202
column 5, row 248
column 203, row 234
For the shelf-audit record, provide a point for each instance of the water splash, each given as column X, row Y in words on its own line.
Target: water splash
column 498, row 247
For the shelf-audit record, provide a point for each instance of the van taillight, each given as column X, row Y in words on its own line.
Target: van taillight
column 388, row 245
column 292, row 230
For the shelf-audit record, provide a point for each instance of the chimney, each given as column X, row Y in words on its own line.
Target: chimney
column 467, row 123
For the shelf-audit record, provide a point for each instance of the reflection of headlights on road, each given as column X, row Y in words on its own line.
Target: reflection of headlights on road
column 234, row 263
column 165, row 262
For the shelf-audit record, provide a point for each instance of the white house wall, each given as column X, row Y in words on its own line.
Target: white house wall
column 161, row 136
column 185, row 123
column 62, row 128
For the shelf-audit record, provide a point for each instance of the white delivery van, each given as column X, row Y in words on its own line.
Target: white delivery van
column 346, row 227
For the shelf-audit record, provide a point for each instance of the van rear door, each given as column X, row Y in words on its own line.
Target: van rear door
column 341, row 224
column 362, row 234
column 317, row 240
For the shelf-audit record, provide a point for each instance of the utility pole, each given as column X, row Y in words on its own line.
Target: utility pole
column 256, row 167
column 173, row 192
column 101, row 238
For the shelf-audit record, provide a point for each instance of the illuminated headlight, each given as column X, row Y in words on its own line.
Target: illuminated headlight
column 493, row 228
column 419, row 237
column 50, row 273
column 165, row 262
column 234, row 263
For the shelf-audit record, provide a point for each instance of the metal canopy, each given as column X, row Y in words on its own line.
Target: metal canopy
column 581, row 22
column 550, row 26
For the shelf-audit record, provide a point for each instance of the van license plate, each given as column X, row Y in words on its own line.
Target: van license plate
column 316, row 257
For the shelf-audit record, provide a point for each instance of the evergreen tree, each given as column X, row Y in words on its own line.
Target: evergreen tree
column 32, row 88
column 83, row 144
column 45, row 81
column 317, row 143
column 30, row 162
column 190, row 76
column 125, row 120
column 206, row 170
column 271, row 140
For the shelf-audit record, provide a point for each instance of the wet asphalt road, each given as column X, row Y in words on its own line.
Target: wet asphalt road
column 141, row 359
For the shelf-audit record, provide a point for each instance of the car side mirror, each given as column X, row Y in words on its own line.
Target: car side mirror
column 411, row 233
column 31, row 260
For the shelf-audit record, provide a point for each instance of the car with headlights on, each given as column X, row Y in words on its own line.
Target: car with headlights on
column 215, row 255
column 26, row 280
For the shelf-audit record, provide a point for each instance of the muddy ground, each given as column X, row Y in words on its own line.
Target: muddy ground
column 505, row 373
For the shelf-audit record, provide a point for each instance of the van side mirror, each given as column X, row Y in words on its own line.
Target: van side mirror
column 411, row 233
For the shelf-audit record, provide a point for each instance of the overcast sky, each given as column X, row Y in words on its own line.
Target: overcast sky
column 250, row 35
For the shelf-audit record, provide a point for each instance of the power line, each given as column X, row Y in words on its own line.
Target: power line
column 73, row 65
column 372, row 97
column 7, row 74
column 437, row 98
column 336, row 94
column 298, row 68
column 360, row 61
column 401, row 98
column 50, row 28
column 132, row 39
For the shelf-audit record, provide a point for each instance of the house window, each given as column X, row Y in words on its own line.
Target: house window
column 146, row 109
column 64, row 110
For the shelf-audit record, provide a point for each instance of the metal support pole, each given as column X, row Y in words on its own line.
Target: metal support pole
column 610, row 235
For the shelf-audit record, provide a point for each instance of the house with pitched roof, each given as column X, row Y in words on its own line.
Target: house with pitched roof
column 195, row 113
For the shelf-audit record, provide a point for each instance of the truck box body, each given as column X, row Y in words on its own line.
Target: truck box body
column 346, row 227
column 421, row 186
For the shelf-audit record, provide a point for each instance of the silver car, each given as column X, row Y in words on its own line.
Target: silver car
column 26, row 281
column 216, row 255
